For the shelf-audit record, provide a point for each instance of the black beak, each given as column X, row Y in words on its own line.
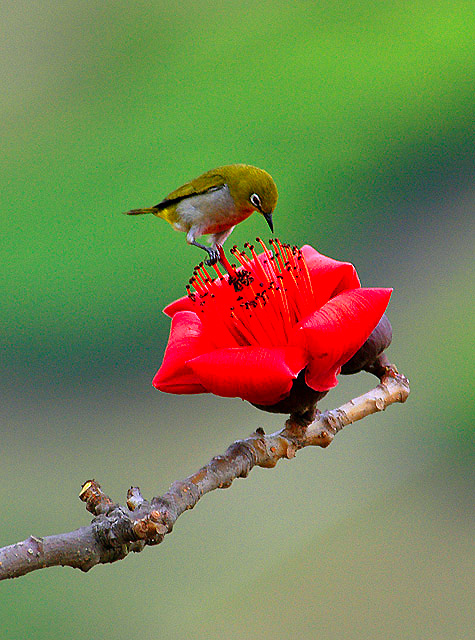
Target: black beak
column 268, row 217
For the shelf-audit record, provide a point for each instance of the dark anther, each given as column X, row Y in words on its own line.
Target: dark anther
column 243, row 279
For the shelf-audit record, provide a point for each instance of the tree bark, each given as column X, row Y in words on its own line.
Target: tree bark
column 117, row 530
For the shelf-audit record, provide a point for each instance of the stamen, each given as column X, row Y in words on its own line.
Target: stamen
column 285, row 311
column 266, row 250
column 257, row 267
column 297, row 295
column 199, row 277
column 251, row 320
column 204, row 272
column 277, row 254
column 290, row 256
column 306, row 274
column 190, row 294
column 306, row 295
column 279, row 296
column 197, row 285
column 216, row 268
column 225, row 262
column 241, row 328
column 241, row 257
column 257, row 302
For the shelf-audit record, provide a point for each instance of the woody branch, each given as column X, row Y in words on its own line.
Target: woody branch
column 117, row 530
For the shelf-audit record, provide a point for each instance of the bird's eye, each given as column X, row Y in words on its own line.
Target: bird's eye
column 255, row 200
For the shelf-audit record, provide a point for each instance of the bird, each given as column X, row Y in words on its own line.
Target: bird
column 215, row 202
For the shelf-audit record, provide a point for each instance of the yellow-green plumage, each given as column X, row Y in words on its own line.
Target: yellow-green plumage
column 214, row 202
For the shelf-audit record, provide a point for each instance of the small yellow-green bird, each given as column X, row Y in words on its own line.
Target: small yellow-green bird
column 215, row 202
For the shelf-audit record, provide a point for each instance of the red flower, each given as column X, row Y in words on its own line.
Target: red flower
column 250, row 333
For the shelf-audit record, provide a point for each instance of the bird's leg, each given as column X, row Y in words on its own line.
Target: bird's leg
column 217, row 240
column 211, row 251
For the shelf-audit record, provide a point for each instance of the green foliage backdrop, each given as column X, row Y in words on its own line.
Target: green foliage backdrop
column 363, row 113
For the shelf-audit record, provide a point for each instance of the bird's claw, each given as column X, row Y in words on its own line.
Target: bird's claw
column 213, row 257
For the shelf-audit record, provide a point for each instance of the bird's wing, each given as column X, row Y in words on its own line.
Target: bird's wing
column 207, row 182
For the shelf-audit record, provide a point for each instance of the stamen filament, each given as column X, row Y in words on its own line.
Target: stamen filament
column 256, row 303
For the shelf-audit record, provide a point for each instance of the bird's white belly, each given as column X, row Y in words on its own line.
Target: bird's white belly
column 210, row 212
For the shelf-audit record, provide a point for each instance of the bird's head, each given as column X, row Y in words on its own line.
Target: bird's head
column 253, row 189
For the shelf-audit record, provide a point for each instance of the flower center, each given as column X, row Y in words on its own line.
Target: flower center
column 256, row 303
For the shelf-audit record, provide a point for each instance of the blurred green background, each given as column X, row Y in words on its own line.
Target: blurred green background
column 364, row 114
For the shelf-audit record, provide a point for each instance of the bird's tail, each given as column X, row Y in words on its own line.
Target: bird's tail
column 139, row 212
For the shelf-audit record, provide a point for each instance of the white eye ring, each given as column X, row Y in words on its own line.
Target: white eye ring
column 255, row 200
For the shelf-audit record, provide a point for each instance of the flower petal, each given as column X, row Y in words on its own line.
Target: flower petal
column 186, row 341
column 335, row 332
column 329, row 277
column 257, row 374
column 182, row 304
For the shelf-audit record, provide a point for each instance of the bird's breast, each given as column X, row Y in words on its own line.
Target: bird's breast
column 213, row 211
